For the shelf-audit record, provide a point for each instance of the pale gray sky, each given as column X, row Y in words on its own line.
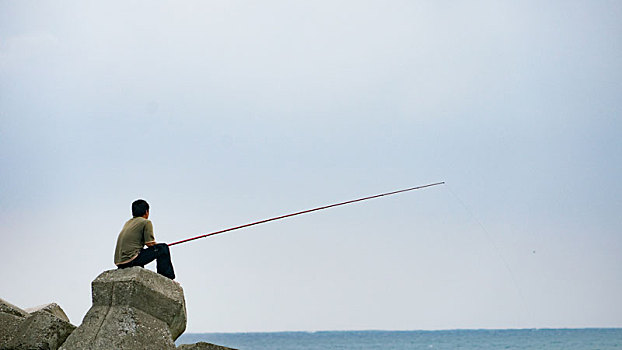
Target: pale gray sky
column 220, row 113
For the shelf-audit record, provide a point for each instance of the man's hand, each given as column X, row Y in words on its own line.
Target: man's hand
column 150, row 244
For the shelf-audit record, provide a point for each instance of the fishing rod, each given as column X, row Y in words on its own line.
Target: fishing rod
column 304, row 212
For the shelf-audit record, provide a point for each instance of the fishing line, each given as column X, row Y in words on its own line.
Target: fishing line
column 497, row 250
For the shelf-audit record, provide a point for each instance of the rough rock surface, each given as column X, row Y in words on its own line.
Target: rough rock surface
column 8, row 308
column 133, row 308
column 202, row 346
column 8, row 327
column 10, row 318
column 52, row 308
column 41, row 330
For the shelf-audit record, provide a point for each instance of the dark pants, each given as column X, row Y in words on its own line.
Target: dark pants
column 158, row 252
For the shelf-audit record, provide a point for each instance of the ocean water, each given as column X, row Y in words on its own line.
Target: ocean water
column 540, row 339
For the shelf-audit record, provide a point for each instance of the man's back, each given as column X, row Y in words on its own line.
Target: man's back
column 136, row 232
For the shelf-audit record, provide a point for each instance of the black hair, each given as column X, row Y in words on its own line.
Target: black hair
column 140, row 207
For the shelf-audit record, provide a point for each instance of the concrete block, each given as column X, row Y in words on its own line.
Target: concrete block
column 119, row 328
column 9, row 324
column 10, row 318
column 51, row 308
column 8, row 308
column 133, row 308
column 41, row 330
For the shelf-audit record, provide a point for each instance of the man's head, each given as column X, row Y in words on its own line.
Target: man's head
column 140, row 207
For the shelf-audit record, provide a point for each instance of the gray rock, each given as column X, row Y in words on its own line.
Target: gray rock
column 133, row 308
column 8, row 328
column 8, row 308
column 10, row 318
column 52, row 308
column 202, row 346
column 41, row 330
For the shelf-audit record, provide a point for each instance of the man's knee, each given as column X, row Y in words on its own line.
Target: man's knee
column 162, row 249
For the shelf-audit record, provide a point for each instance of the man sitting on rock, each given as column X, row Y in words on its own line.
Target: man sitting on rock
column 136, row 233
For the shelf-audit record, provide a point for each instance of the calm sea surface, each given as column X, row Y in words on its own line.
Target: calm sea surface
column 549, row 339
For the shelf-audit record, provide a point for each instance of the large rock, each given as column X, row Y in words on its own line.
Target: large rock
column 51, row 308
column 202, row 346
column 10, row 318
column 8, row 308
column 133, row 308
column 41, row 330
column 8, row 328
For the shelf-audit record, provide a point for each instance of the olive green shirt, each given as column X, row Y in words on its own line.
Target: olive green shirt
column 135, row 234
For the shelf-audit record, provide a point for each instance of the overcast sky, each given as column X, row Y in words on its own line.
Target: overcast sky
column 220, row 113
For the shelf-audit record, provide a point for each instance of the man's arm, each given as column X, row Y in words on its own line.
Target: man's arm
column 148, row 234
